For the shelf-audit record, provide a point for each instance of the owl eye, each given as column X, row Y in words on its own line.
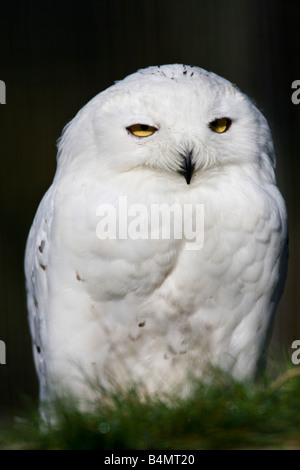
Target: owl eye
column 220, row 125
column 141, row 130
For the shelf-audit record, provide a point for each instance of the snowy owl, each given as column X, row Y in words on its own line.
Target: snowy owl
column 111, row 296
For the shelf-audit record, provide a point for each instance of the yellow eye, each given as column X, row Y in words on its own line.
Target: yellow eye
column 141, row 130
column 220, row 125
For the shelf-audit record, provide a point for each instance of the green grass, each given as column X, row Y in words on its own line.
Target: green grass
column 224, row 414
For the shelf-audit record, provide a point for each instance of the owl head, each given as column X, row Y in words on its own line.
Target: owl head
column 176, row 120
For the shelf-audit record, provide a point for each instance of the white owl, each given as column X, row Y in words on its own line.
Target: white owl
column 151, row 310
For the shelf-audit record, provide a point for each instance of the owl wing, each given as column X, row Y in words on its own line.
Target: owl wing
column 36, row 260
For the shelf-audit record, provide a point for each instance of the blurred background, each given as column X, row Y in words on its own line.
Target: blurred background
column 55, row 56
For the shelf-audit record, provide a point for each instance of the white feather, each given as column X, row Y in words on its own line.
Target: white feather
column 146, row 310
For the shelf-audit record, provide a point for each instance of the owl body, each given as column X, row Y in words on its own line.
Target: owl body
column 152, row 310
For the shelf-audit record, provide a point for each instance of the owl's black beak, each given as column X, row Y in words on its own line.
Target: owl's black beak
column 187, row 166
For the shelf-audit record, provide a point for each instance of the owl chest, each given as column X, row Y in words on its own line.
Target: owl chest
column 164, row 249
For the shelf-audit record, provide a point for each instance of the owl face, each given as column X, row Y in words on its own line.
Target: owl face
column 175, row 119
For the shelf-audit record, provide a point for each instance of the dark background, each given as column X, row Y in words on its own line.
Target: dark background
column 55, row 56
